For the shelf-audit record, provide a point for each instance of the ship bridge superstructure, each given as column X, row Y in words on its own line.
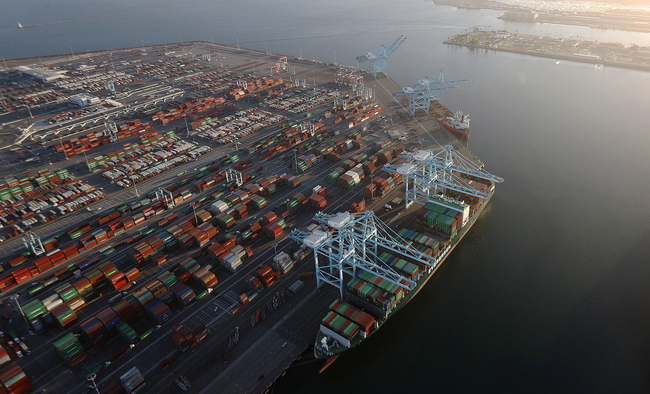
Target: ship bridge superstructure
column 432, row 173
column 354, row 241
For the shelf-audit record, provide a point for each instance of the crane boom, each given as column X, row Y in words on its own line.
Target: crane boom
column 427, row 89
column 378, row 58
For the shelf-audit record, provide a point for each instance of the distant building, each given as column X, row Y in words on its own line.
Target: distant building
column 43, row 74
column 84, row 99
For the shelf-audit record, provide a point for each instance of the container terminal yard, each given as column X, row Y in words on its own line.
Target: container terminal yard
column 146, row 201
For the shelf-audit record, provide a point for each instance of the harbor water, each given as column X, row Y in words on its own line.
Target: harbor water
column 550, row 290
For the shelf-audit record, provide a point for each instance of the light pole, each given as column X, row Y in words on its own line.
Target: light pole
column 91, row 378
column 195, row 218
column 211, row 40
column 14, row 298
column 87, row 164
column 142, row 42
column 295, row 156
column 137, row 193
column 63, row 147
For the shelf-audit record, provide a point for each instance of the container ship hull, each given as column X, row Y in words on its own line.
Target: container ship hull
column 453, row 130
column 331, row 355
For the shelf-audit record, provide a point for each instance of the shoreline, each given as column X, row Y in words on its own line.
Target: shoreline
column 611, row 54
column 575, row 58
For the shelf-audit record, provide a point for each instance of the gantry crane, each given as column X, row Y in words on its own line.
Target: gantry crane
column 111, row 87
column 378, row 58
column 283, row 62
column 349, row 242
column 355, row 242
column 430, row 173
column 111, row 129
column 427, row 89
column 33, row 243
column 165, row 196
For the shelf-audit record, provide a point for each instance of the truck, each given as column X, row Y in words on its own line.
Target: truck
column 24, row 348
column 296, row 286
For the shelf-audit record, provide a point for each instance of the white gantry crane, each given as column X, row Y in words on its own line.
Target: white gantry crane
column 111, row 129
column 165, row 196
column 234, row 175
column 355, row 243
column 430, row 173
column 33, row 243
column 308, row 128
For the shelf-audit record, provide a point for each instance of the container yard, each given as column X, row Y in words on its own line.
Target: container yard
column 145, row 232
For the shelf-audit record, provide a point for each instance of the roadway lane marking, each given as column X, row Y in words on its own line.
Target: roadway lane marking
column 207, row 389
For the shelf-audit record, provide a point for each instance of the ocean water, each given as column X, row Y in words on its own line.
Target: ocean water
column 550, row 290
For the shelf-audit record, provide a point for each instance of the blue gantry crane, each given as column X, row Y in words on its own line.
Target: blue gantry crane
column 427, row 89
column 355, row 243
column 378, row 58
column 430, row 173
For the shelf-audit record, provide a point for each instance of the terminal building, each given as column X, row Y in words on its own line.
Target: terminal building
column 42, row 74
column 84, row 99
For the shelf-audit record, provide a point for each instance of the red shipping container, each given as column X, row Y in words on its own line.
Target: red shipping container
column 70, row 252
column 33, row 271
column 229, row 244
column 17, row 261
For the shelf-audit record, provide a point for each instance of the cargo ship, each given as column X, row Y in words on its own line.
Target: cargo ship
column 459, row 123
column 353, row 319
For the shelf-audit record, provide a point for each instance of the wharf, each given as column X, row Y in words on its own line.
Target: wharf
column 263, row 352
